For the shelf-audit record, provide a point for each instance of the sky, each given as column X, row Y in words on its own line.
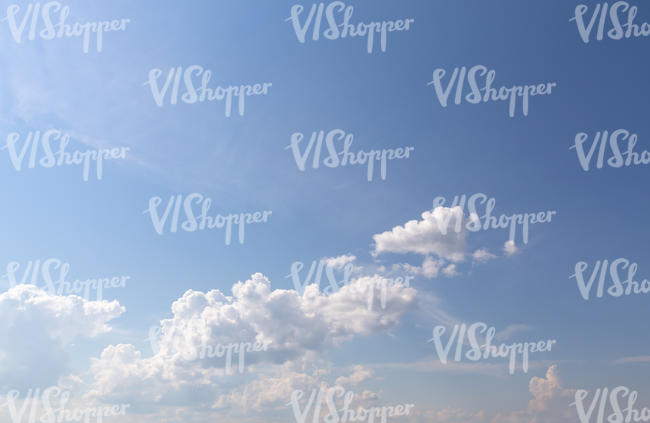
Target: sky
column 197, row 287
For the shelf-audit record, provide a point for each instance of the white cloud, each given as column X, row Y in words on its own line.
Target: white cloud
column 430, row 267
column 359, row 374
column 550, row 404
column 441, row 237
column 267, row 392
column 435, row 235
column 295, row 327
column 482, row 255
column 37, row 327
column 510, row 248
column 339, row 262
column 450, row 270
column 273, row 393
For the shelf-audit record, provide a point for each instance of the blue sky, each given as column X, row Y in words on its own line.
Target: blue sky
column 383, row 99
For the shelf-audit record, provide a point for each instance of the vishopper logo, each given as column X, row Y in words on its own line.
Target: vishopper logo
column 315, row 274
column 618, row 397
column 337, row 157
column 484, row 351
column 51, row 18
column 51, row 406
column 620, row 16
column 199, row 221
column 619, row 286
column 195, row 80
column 618, row 158
column 181, row 342
column 43, row 146
column 344, row 414
column 53, row 273
column 377, row 287
column 480, row 80
column 485, row 221
column 338, row 24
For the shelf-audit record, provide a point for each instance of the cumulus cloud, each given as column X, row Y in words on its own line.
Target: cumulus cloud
column 440, row 236
column 435, row 235
column 430, row 267
column 550, row 403
column 52, row 322
column 290, row 323
column 510, row 248
column 292, row 326
column 547, row 391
